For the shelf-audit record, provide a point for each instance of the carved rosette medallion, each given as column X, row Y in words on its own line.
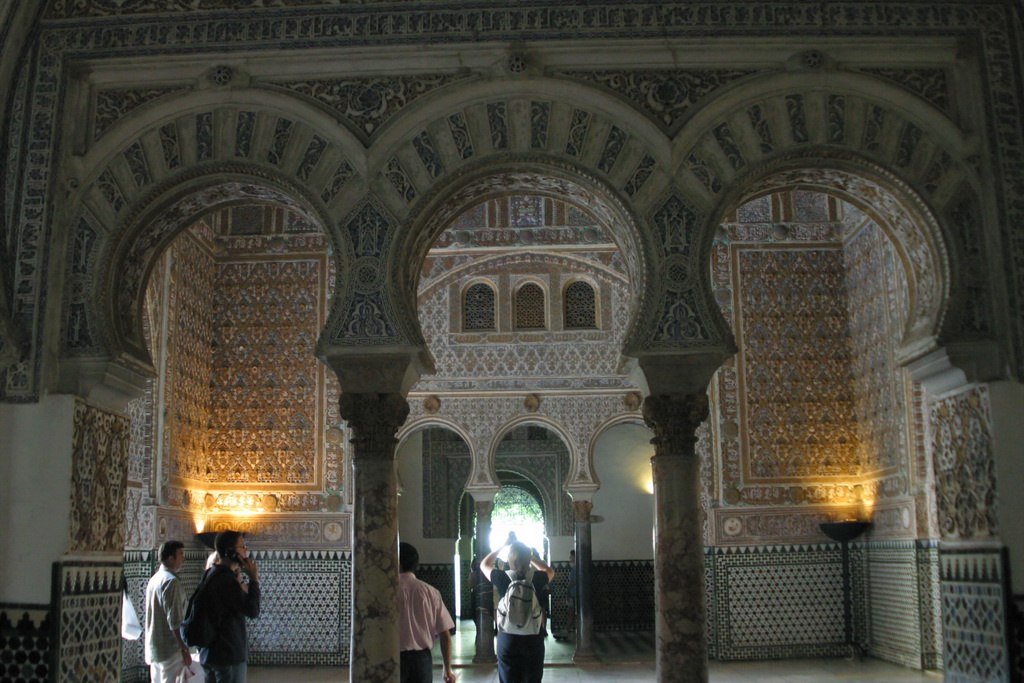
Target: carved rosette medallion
column 374, row 420
column 674, row 418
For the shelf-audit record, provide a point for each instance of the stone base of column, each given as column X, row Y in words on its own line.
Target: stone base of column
column 585, row 658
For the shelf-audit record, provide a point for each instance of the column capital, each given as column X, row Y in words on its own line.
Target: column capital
column 483, row 508
column 674, row 418
column 374, row 420
column 482, row 495
column 581, row 510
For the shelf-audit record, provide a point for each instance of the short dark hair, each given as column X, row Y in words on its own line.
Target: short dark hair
column 408, row 557
column 169, row 549
column 519, row 556
column 225, row 542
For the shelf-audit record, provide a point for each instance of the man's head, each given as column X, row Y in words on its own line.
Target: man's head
column 408, row 557
column 572, row 557
column 231, row 546
column 172, row 555
column 519, row 556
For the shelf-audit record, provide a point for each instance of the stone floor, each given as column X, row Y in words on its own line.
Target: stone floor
column 627, row 658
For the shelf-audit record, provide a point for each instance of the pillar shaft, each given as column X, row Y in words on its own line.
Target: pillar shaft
column 484, row 591
column 374, row 420
column 584, row 583
column 679, row 547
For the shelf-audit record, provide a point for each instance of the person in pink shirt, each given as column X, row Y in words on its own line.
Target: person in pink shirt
column 422, row 617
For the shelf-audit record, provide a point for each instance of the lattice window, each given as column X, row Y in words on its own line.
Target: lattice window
column 530, row 307
column 478, row 308
column 580, row 308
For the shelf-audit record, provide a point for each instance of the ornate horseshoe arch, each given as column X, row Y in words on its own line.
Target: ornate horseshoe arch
column 914, row 231
column 896, row 154
column 536, row 420
column 116, row 267
column 164, row 166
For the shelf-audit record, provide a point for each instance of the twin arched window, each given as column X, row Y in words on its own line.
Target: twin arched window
column 529, row 310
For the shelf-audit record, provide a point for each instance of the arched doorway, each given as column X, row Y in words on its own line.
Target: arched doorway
column 239, row 427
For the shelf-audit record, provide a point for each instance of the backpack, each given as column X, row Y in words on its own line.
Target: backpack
column 197, row 629
column 519, row 610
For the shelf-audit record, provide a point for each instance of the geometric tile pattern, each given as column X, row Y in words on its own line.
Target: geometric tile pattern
column 88, row 620
column 930, row 602
column 779, row 601
column 24, row 643
column 305, row 609
column 623, row 595
column 975, row 633
column 895, row 633
column 139, row 565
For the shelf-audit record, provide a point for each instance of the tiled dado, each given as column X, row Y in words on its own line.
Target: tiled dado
column 901, row 594
column 24, row 642
column 771, row 602
column 87, row 634
column 306, row 608
column 975, row 624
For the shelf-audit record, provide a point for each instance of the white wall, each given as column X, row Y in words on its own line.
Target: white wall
column 35, row 494
column 622, row 459
column 1007, row 401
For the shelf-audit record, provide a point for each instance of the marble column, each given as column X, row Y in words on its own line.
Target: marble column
column 374, row 420
column 584, row 583
column 484, row 591
column 681, row 626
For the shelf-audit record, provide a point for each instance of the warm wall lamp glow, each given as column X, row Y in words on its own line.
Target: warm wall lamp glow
column 648, row 485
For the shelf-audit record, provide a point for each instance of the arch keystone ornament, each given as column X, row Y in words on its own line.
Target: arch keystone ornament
column 681, row 621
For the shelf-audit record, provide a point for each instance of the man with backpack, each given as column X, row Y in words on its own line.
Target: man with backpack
column 520, row 614
column 166, row 654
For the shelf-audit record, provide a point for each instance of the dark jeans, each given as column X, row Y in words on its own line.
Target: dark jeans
column 416, row 666
column 234, row 673
column 520, row 658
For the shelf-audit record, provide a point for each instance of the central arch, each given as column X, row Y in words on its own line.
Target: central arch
column 541, row 177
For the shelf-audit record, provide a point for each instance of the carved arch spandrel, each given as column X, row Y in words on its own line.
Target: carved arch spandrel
column 162, row 166
column 830, row 114
column 882, row 147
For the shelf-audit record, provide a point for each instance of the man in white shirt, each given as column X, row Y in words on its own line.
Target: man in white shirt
column 166, row 653
column 422, row 616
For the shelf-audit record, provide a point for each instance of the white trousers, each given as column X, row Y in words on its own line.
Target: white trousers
column 168, row 670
